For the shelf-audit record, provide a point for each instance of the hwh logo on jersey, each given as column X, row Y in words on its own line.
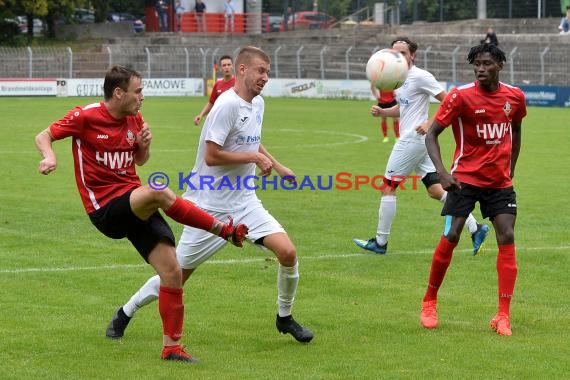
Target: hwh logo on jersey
column 115, row 160
column 493, row 131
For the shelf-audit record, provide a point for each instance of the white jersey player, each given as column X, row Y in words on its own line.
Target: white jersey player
column 221, row 182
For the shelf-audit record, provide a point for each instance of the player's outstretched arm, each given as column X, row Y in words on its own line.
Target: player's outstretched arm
column 203, row 113
column 385, row 112
column 424, row 127
column 281, row 169
column 44, row 141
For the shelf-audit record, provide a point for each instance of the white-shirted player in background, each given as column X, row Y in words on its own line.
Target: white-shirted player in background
column 229, row 150
column 409, row 154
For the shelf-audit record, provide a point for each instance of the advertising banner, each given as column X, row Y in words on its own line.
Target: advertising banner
column 547, row 96
column 151, row 87
column 28, row 87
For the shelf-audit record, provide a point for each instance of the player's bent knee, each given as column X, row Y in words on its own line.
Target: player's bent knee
column 435, row 191
column 435, row 195
column 287, row 256
column 147, row 195
column 164, row 196
column 452, row 237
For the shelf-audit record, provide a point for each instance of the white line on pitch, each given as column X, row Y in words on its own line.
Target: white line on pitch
column 357, row 140
column 251, row 260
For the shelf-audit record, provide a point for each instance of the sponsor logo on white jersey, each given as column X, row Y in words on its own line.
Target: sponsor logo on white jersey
column 247, row 140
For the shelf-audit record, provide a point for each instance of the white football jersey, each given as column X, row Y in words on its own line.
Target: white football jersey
column 235, row 125
column 414, row 99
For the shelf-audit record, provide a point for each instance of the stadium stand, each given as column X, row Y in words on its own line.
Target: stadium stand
column 536, row 54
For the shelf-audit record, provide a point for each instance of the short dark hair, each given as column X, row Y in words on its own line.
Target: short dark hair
column 497, row 54
column 225, row 56
column 118, row 76
column 412, row 45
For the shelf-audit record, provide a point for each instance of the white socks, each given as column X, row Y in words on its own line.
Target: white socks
column 386, row 214
column 287, row 280
column 471, row 224
column 145, row 295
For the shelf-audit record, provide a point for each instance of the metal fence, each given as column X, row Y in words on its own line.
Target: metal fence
column 525, row 64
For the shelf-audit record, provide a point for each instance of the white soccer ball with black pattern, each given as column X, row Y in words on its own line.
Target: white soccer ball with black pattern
column 387, row 69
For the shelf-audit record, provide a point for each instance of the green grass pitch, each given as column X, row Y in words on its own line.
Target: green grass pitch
column 61, row 280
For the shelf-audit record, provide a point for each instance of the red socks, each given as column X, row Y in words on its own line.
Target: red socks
column 384, row 126
column 188, row 214
column 439, row 264
column 507, row 274
column 171, row 311
column 506, row 271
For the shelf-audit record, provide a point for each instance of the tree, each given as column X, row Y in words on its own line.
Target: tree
column 101, row 8
column 58, row 11
column 33, row 9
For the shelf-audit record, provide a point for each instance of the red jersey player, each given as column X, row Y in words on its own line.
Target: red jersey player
column 220, row 86
column 108, row 139
column 486, row 118
column 387, row 99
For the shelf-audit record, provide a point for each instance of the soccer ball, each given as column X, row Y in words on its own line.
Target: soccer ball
column 387, row 69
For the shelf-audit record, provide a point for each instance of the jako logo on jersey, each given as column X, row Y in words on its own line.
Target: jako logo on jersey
column 115, row 160
column 492, row 131
column 131, row 137
column 243, row 119
column 482, row 110
column 102, row 137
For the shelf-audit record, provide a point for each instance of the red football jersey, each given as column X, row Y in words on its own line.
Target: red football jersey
column 481, row 123
column 220, row 86
column 386, row 96
column 103, row 152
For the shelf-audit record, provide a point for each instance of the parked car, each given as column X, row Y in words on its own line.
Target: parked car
column 273, row 23
column 23, row 24
column 84, row 16
column 138, row 25
column 310, row 20
column 9, row 29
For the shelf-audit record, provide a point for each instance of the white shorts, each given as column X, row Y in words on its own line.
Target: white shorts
column 408, row 157
column 196, row 245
